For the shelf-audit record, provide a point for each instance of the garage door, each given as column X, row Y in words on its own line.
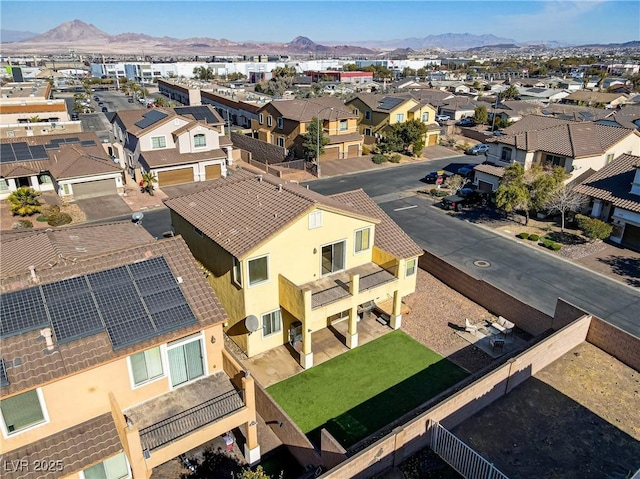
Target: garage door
column 352, row 151
column 213, row 171
column 631, row 237
column 330, row 154
column 175, row 177
column 92, row 189
column 484, row 186
column 433, row 140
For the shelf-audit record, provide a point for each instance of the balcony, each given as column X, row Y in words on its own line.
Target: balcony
column 178, row 413
column 337, row 286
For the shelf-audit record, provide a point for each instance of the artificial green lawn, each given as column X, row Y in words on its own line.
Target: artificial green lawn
column 366, row 388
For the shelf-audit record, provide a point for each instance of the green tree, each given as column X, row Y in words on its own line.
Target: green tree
column 510, row 93
column 24, row 202
column 480, row 115
column 161, row 101
column 258, row 473
column 405, row 135
column 203, row 73
column 512, row 193
column 310, row 139
column 542, row 183
column 147, row 181
column 285, row 71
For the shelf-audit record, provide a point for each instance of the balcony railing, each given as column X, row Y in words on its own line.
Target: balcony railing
column 187, row 421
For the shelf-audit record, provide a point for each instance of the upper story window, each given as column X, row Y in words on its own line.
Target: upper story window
column 146, row 365
column 22, row 411
column 344, row 125
column 280, row 122
column 269, row 120
column 333, row 257
column 505, row 154
column 362, row 240
column 236, row 272
column 367, row 115
column 555, row 161
column 356, row 111
column 281, row 141
column 425, row 117
column 609, row 158
column 399, row 117
column 410, row 268
column 315, row 219
column 261, row 118
column 258, row 270
column 115, row 467
column 199, row 140
column 158, row 142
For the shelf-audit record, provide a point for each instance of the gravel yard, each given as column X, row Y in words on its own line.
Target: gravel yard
column 434, row 306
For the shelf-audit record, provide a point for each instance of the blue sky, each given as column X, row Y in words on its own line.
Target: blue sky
column 582, row 21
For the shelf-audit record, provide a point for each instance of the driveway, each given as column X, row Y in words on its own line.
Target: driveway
column 103, row 207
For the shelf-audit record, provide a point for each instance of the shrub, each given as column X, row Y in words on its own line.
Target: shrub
column 533, row 237
column 395, row 158
column 523, row 235
column 20, row 224
column 48, row 210
column 365, row 150
column 41, row 219
column 594, row 228
column 556, row 246
column 546, row 243
column 378, row 159
column 59, row 219
column 438, row 193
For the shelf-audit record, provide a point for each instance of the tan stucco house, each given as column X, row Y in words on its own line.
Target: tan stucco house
column 286, row 261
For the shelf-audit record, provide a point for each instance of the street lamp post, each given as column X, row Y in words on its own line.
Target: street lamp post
column 330, row 108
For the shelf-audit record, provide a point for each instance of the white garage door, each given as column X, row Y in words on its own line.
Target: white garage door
column 92, row 189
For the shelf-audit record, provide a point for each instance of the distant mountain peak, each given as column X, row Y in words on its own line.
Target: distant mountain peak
column 302, row 42
column 73, row 31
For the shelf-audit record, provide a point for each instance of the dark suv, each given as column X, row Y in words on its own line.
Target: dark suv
column 464, row 197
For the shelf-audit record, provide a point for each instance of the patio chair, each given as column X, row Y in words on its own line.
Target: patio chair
column 470, row 328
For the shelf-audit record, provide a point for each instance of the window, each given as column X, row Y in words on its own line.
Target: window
column 258, row 270
column 344, row 125
column 553, row 161
column 198, row 232
column 22, row 411
column 65, row 188
column 333, row 257
column 425, row 117
column 199, row 140
column 280, row 122
column 271, row 323
column 45, row 180
column 269, row 120
column 185, row 362
column 146, row 366
column 115, row 467
column 367, row 131
column 362, row 240
column 505, row 154
column 356, row 112
column 399, row 117
column 4, row 186
column 236, row 272
column 367, row 115
column 609, row 158
column 158, row 142
column 261, row 118
column 281, row 141
column 315, row 220
column 410, row 269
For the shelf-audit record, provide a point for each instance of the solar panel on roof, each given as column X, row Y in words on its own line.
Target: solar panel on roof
column 88, row 143
column 22, row 311
column 150, row 118
column 4, row 381
column 38, row 152
column 389, row 102
column 130, row 330
column 198, row 112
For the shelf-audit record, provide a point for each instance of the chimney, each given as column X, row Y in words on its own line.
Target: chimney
column 32, row 270
column 280, row 187
column 47, row 334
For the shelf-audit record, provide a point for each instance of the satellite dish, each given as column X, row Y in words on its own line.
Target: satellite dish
column 137, row 217
column 251, row 323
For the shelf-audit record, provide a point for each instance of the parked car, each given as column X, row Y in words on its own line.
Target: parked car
column 466, row 122
column 96, row 98
column 464, row 197
column 74, row 117
column 442, row 118
column 432, row 176
column 479, row 149
column 104, row 109
column 466, row 170
column 130, row 100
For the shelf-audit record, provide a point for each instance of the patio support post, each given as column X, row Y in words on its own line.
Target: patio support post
column 396, row 315
column 251, row 448
column 352, row 333
column 306, row 356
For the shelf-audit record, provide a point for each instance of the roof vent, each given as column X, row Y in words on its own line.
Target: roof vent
column 280, row 187
column 32, row 270
column 47, row 334
column 259, row 178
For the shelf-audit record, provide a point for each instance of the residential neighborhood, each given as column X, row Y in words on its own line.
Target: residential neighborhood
column 288, row 260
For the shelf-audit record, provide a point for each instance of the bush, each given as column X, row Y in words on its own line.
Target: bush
column 365, row 150
column 533, row 237
column 378, row 159
column 59, row 219
column 48, row 210
column 546, row 243
column 523, row 235
column 20, row 224
column 438, row 193
column 41, row 219
column 594, row 228
column 556, row 246
column 395, row 158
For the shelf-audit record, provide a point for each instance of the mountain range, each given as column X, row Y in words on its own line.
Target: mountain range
column 82, row 37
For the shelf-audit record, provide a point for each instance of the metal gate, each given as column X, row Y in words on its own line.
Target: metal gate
column 461, row 457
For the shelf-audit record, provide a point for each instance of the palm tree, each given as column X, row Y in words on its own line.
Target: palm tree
column 161, row 101
column 24, row 202
column 147, row 181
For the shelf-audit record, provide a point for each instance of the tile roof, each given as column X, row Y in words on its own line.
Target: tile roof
column 240, row 212
column 37, row 366
column 388, row 235
column 129, row 118
column 333, row 139
column 569, row 139
column 613, row 183
column 492, row 170
column 627, row 117
column 172, row 157
column 56, row 246
column 305, row 110
column 595, row 96
column 76, row 448
column 533, row 122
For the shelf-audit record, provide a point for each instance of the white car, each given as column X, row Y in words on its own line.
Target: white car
column 441, row 118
